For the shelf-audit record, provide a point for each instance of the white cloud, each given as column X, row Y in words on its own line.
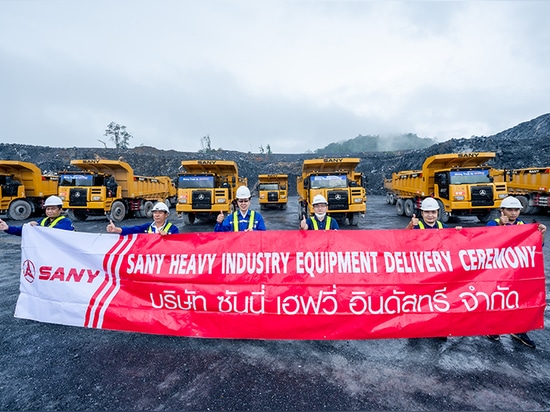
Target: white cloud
column 296, row 75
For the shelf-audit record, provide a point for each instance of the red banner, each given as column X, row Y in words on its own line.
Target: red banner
column 295, row 284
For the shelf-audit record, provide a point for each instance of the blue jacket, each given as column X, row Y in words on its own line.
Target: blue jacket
column 60, row 222
column 149, row 228
column 243, row 222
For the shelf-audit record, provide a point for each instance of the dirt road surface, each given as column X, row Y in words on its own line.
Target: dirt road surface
column 55, row 367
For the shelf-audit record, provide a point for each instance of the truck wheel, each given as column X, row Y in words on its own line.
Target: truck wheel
column 409, row 208
column 147, row 209
column 353, row 219
column 492, row 214
column 79, row 215
column 283, row 206
column 19, row 210
column 400, row 207
column 118, row 211
column 443, row 215
column 188, row 218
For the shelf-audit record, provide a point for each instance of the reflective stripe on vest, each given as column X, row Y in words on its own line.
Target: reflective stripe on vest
column 165, row 228
column 518, row 222
column 236, row 221
column 55, row 221
column 421, row 224
column 316, row 226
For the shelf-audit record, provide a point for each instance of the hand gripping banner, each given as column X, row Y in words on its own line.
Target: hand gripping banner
column 354, row 284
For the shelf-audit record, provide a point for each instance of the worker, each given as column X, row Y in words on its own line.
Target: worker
column 320, row 220
column 429, row 209
column 53, row 207
column 510, row 209
column 243, row 219
column 159, row 225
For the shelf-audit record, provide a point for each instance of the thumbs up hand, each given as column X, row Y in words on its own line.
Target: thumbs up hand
column 414, row 220
column 111, row 228
column 220, row 218
column 303, row 223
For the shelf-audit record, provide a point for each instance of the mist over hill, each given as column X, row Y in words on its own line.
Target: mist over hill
column 525, row 145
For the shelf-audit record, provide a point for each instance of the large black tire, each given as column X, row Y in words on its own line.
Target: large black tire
column 147, row 209
column 118, row 211
column 77, row 214
column 492, row 214
column 19, row 210
column 409, row 207
column 400, row 207
column 443, row 216
column 189, row 218
column 353, row 219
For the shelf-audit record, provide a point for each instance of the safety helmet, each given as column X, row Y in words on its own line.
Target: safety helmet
column 161, row 206
column 243, row 193
column 429, row 204
column 318, row 199
column 511, row 202
column 53, row 201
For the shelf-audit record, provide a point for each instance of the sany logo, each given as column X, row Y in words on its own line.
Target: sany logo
column 28, row 270
column 63, row 274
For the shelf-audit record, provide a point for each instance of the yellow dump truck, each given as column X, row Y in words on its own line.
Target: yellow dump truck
column 23, row 189
column 338, row 181
column 530, row 185
column 206, row 188
column 272, row 191
column 110, row 187
column 462, row 184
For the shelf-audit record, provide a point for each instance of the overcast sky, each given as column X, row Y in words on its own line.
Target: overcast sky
column 294, row 75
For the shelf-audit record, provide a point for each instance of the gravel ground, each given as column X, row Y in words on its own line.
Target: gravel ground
column 55, row 367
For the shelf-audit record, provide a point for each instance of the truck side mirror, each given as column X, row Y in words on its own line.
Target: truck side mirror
column 306, row 184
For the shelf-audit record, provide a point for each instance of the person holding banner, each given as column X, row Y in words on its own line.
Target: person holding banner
column 429, row 210
column 53, row 208
column 243, row 219
column 159, row 225
column 320, row 220
column 510, row 209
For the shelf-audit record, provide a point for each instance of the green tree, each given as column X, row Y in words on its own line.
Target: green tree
column 118, row 135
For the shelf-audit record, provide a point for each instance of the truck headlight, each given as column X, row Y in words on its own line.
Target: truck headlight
column 96, row 198
column 358, row 200
column 459, row 197
column 182, row 200
column 221, row 200
column 502, row 195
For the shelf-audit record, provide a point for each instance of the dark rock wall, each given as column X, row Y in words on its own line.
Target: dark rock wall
column 525, row 145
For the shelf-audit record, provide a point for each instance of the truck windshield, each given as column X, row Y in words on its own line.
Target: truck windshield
column 460, row 177
column 268, row 186
column 329, row 181
column 190, row 182
column 76, row 180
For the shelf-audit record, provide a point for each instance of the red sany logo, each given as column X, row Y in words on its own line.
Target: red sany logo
column 63, row 274
column 28, row 270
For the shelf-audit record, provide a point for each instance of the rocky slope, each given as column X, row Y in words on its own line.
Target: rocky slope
column 525, row 145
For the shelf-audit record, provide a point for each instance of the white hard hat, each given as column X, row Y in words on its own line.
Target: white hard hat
column 429, row 204
column 243, row 193
column 53, row 201
column 511, row 202
column 161, row 206
column 317, row 199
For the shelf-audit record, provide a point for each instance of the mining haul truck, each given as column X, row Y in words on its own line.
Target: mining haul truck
column 23, row 189
column 272, row 191
column 337, row 180
column 110, row 187
column 530, row 185
column 206, row 188
column 462, row 184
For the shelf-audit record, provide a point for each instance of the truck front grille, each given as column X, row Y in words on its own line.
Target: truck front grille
column 78, row 197
column 202, row 199
column 272, row 196
column 338, row 200
column 482, row 196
